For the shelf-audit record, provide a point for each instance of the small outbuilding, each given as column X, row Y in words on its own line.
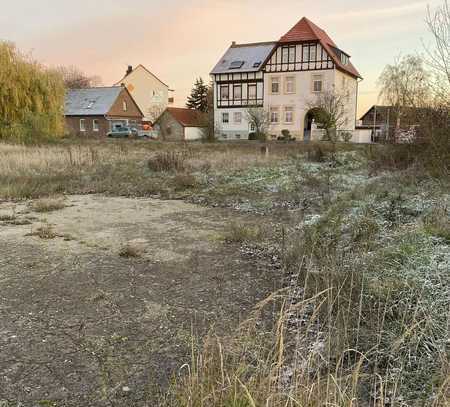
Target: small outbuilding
column 180, row 124
column 94, row 112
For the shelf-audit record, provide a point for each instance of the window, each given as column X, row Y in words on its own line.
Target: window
column 238, row 136
column 305, row 56
column 224, row 92
column 275, row 85
column 237, row 64
column 312, row 53
column 82, row 125
column 344, row 59
column 290, row 84
column 237, row 117
column 252, row 91
column 284, row 55
column 317, row 83
column 125, row 106
column 224, row 136
column 169, row 130
column 288, row 114
column 252, row 127
column 225, row 117
column 274, row 115
column 257, row 64
column 237, row 92
column 292, row 54
column 95, row 125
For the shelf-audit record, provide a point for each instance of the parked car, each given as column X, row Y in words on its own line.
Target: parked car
column 123, row 132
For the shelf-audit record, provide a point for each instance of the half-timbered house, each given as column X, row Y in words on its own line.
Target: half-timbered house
column 283, row 78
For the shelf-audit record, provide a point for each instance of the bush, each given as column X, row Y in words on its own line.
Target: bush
column 168, row 161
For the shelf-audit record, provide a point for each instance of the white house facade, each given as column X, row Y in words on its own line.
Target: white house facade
column 149, row 92
column 285, row 79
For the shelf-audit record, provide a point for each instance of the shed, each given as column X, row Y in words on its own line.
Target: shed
column 181, row 124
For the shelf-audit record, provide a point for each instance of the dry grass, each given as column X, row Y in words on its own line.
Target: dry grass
column 48, row 204
column 45, row 232
column 131, row 250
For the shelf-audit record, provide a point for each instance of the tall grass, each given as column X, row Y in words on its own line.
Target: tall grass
column 363, row 320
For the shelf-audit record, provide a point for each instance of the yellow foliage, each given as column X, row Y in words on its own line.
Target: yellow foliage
column 31, row 97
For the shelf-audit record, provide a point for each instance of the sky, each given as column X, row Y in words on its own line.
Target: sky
column 180, row 40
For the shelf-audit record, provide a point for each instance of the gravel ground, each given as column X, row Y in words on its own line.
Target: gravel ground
column 81, row 325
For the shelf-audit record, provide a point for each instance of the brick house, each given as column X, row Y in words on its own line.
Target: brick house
column 94, row 112
column 180, row 124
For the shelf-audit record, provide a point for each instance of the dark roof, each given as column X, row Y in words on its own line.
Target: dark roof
column 251, row 56
column 91, row 101
column 306, row 30
column 187, row 117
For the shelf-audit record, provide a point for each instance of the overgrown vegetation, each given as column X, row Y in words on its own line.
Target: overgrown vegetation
column 359, row 236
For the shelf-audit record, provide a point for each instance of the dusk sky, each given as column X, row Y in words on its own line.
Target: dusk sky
column 179, row 40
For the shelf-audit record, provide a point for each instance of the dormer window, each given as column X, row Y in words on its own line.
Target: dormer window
column 257, row 64
column 344, row 58
column 236, row 64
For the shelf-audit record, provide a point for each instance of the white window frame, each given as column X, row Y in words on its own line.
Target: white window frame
column 289, row 79
column 124, row 105
column 222, row 96
column 252, row 86
column 240, row 92
column 275, row 80
column 237, row 117
column 274, row 113
column 288, row 109
column 83, row 125
column 312, row 53
column 317, row 79
column 227, row 116
column 95, row 125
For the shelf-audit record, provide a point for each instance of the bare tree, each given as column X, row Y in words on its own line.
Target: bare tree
column 155, row 111
column 439, row 56
column 405, row 83
column 258, row 118
column 330, row 111
column 74, row 78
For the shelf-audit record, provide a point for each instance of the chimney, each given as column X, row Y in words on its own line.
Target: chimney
column 130, row 69
column 233, row 44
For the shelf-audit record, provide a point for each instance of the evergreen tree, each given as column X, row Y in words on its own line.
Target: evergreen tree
column 199, row 96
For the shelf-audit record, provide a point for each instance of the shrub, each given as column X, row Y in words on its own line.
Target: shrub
column 168, row 161
column 48, row 204
column 184, row 181
column 239, row 233
column 437, row 223
column 130, row 250
column 45, row 232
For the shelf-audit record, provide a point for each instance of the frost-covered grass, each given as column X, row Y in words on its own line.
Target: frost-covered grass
column 364, row 315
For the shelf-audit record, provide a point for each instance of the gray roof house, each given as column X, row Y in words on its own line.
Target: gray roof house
column 96, row 111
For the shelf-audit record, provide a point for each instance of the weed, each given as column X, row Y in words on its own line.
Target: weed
column 240, row 233
column 130, row 250
column 168, row 161
column 45, row 232
column 48, row 204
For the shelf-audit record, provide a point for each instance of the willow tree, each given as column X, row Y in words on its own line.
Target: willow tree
column 31, row 97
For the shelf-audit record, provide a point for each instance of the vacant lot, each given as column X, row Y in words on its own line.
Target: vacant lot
column 105, row 293
column 124, row 265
